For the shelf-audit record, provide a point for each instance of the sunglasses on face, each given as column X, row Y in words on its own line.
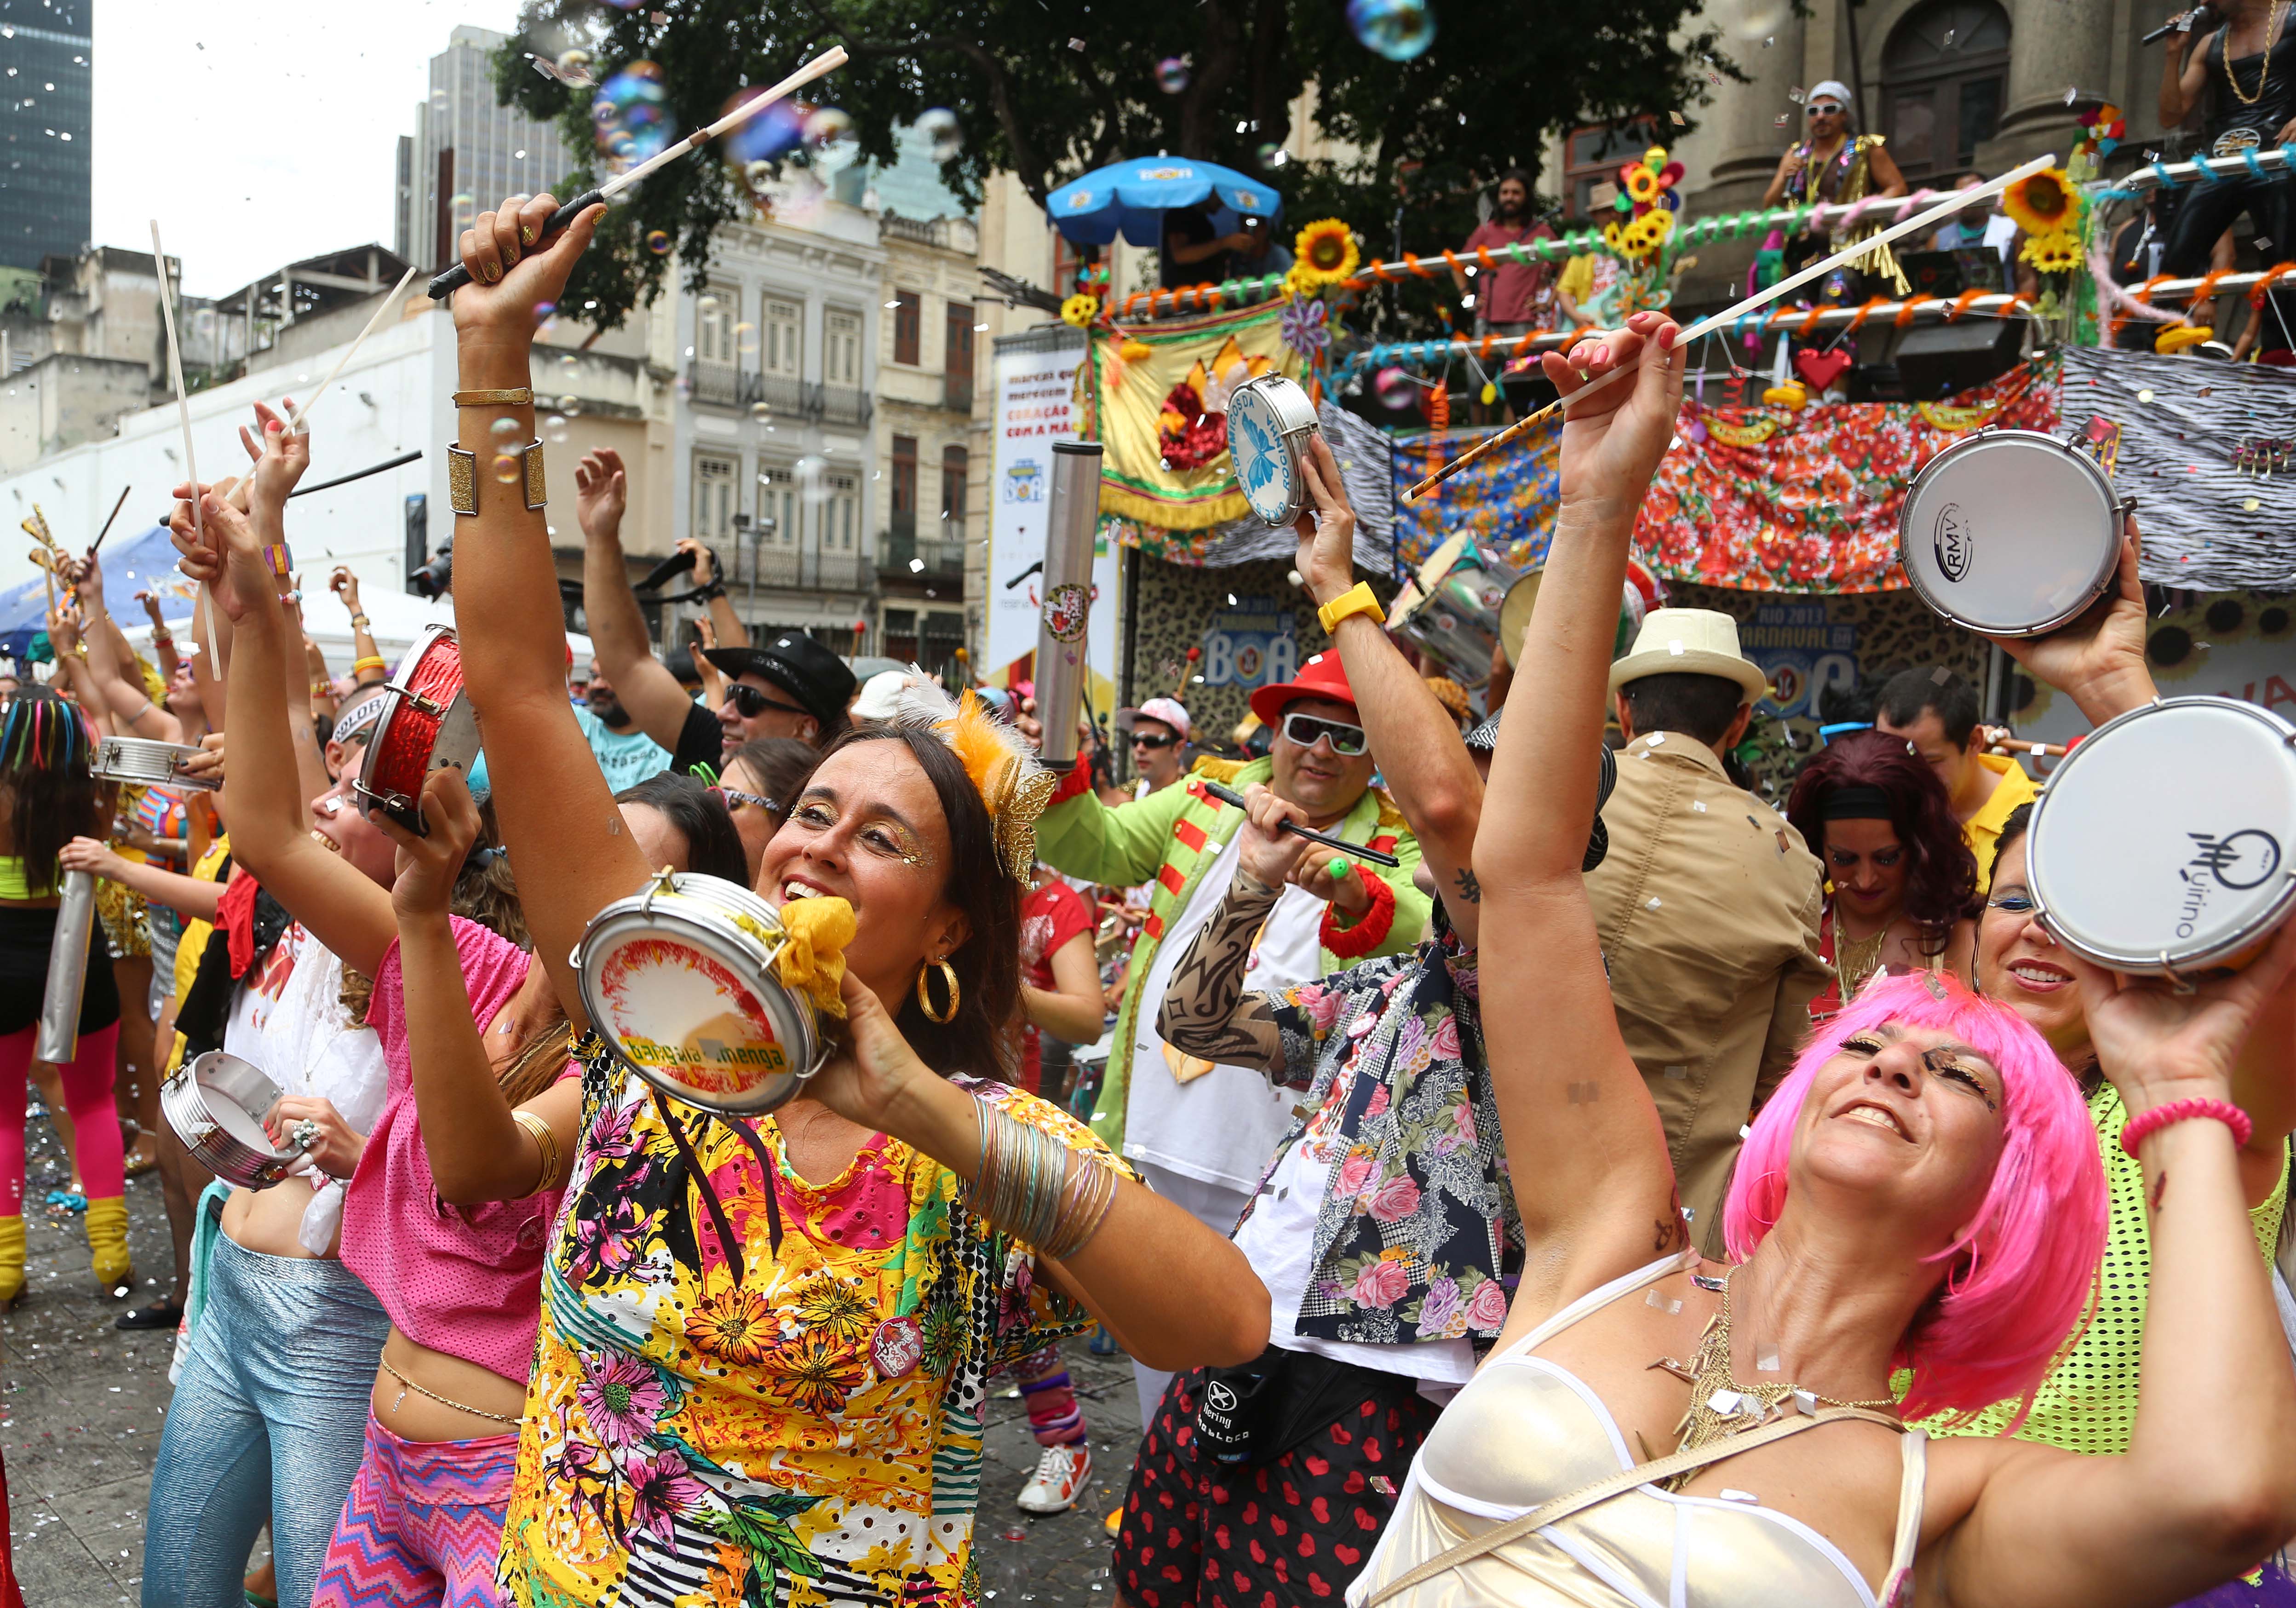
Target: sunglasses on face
column 1347, row 741
column 1145, row 740
column 735, row 797
column 750, row 703
column 1822, row 112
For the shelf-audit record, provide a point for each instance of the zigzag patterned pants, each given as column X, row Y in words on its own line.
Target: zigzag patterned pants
column 422, row 1525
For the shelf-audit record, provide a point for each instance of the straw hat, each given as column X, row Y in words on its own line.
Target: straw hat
column 1690, row 642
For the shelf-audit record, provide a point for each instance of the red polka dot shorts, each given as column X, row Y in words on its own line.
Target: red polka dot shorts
column 1294, row 1530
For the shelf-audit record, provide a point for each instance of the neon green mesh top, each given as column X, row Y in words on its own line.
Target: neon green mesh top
column 2088, row 1401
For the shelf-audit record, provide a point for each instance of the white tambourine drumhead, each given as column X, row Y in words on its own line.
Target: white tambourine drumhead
column 1269, row 421
column 2161, row 843
column 2012, row 533
column 215, row 1103
column 148, row 762
column 679, row 983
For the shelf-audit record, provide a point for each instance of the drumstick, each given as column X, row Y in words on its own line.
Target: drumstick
column 454, row 278
column 1759, row 299
column 183, row 413
column 297, row 416
column 2019, row 745
column 1354, row 850
column 116, row 507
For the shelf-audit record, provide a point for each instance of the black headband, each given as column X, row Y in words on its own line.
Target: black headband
column 1856, row 804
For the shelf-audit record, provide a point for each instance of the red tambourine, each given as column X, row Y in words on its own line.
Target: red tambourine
column 427, row 724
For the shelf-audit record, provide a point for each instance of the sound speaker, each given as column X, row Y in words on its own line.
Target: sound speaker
column 1937, row 359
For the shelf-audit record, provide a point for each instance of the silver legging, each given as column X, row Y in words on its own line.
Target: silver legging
column 269, row 1422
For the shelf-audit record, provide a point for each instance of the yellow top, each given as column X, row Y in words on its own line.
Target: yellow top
column 1982, row 830
column 194, row 940
column 1578, row 279
column 13, row 884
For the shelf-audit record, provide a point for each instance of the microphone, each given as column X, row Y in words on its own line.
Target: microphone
column 2179, row 24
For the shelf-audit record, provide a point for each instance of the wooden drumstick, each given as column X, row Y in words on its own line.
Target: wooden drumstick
column 1934, row 215
column 183, row 415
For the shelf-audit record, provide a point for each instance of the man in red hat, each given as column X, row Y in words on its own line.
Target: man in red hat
column 1201, row 1132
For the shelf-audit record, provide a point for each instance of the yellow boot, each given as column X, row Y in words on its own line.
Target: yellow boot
column 107, row 1241
column 12, row 1261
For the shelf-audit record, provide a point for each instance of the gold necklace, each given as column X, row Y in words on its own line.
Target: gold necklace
column 1720, row 1406
column 2271, row 27
column 1856, row 959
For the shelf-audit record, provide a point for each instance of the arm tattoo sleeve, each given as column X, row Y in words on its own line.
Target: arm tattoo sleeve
column 1206, row 1012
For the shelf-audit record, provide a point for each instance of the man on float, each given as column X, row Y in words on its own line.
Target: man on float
column 1203, row 1133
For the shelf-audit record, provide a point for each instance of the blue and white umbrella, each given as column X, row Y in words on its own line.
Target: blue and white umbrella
column 1131, row 198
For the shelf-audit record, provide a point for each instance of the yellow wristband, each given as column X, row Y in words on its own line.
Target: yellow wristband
column 1356, row 600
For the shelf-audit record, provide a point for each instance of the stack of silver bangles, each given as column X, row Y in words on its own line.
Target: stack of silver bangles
column 1026, row 1186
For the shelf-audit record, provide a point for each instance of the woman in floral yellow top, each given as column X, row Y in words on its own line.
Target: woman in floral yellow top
column 760, row 1375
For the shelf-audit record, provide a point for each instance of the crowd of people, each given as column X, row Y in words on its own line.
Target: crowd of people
column 1513, row 1131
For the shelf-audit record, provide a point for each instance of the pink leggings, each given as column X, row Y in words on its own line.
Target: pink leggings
column 87, row 1095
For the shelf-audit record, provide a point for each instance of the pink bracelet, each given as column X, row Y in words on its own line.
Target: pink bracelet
column 2134, row 1131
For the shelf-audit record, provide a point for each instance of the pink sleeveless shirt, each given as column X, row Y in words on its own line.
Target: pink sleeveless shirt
column 464, row 1280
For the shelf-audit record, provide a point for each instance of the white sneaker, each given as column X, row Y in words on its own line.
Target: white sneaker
column 1058, row 1479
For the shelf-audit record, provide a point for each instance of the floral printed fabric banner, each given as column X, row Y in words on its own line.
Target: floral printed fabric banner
column 1508, row 500
column 1772, row 500
column 1162, row 418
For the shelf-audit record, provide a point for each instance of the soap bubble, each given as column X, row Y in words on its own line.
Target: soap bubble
column 621, row 6
column 745, row 339
column 570, row 406
column 631, row 116
column 941, row 126
column 504, row 426
column 1171, row 75
column 761, row 411
column 1753, row 18
column 543, row 309
column 555, row 431
column 658, row 242
column 707, row 304
column 569, row 367
column 812, row 479
column 508, row 467
column 1397, row 30
column 772, row 133
column 574, row 69
column 1396, row 389
column 1271, row 155
column 829, row 139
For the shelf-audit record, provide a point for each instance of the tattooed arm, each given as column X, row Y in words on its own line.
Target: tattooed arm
column 1206, row 1012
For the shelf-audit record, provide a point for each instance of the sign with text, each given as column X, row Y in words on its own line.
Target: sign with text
column 1802, row 650
column 1036, row 386
column 1250, row 645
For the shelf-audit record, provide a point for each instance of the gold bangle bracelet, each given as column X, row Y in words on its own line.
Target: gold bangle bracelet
column 546, row 1143
column 516, row 395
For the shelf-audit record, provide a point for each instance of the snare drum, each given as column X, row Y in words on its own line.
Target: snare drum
column 216, row 1104
column 2162, row 844
column 1457, row 618
column 1269, row 422
column 680, row 981
column 426, row 724
column 144, row 762
column 1514, row 615
column 2010, row 532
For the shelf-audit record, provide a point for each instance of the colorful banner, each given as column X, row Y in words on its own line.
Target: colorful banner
column 1508, row 500
column 1769, row 499
column 1162, row 417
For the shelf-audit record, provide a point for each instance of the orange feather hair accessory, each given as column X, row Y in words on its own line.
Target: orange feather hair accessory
column 1011, row 781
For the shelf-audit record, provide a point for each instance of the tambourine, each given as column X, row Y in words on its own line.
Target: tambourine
column 1269, row 422
column 680, row 981
column 2160, row 845
column 146, row 762
column 215, row 1103
column 2010, row 532
column 426, row 724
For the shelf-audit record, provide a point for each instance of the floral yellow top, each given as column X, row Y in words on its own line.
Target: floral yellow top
column 810, row 1435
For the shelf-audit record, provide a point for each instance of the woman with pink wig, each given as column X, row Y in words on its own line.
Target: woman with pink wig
column 1922, row 1194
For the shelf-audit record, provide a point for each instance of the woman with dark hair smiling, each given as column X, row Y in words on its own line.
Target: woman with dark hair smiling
column 1903, row 893
column 765, row 1341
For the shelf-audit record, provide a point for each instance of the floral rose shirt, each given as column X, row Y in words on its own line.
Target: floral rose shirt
column 1417, row 1238
column 809, row 1434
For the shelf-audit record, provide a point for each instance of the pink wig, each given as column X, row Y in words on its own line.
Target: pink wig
column 2019, row 1280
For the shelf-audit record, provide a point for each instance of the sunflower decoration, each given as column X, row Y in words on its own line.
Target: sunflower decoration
column 1080, row 309
column 1324, row 254
column 2044, row 203
column 1647, row 203
column 2059, row 251
column 2175, row 338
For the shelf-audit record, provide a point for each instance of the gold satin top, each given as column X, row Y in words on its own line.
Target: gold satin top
column 1524, row 1433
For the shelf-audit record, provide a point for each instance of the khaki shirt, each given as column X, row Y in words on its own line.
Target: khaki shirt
column 1708, row 911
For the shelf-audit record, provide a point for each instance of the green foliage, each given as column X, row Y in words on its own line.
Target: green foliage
column 1483, row 97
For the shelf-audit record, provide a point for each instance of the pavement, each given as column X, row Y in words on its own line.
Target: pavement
column 82, row 1405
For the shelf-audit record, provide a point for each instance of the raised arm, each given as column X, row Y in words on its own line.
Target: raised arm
column 270, row 825
column 1422, row 757
column 189, row 895
column 1589, row 1156
column 163, row 640
column 618, row 632
column 730, row 630
column 367, row 666
column 557, row 814
column 2207, row 1488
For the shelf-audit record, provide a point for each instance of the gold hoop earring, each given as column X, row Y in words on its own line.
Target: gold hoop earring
column 924, row 994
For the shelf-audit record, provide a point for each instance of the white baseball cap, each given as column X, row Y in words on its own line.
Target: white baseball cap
column 1171, row 711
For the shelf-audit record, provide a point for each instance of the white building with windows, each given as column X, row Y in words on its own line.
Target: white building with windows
column 774, row 420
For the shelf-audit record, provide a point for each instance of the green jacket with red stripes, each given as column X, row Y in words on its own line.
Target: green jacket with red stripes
column 1170, row 839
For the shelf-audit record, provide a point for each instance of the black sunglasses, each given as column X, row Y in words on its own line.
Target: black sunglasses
column 1145, row 740
column 750, row 703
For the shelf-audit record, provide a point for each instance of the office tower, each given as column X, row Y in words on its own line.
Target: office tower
column 45, row 51
column 466, row 144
